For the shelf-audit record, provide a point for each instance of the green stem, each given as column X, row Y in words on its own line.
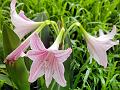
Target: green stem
column 81, row 28
column 83, row 31
column 58, row 40
column 54, row 24
column 47, row 22
column 70, row 28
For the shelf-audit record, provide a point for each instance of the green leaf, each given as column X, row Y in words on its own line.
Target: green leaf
column 2, row 66
column 10, row 41
column 5, row 79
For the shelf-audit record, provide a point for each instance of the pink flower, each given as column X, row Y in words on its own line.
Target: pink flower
column 98, row 46
column 47, row 61
column 22, row 24
column 18, row 52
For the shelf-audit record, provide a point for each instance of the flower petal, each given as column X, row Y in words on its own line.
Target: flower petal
column 12, row 5
column 22, row 31
column 109, row 35
column 49, row 69
column 21, row 22
column 36, row 54
column 18, row 51
column 21, row 14
column 62, row 55
column 98, row 53
column 112, row 33
column 107, row 45
column 59, row 74
column 37, row 70
column 17, row 20
column 48, row 80
column 101, row 32
column 36, row 43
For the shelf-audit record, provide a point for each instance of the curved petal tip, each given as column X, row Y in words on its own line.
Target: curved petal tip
column 12, row 5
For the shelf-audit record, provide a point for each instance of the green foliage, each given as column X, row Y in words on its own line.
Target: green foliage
column 17, row 71
column 5, row 79
column 93, row 15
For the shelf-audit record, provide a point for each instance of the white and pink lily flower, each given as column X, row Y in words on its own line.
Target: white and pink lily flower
column 47, row 61
column 23, row 25
column 98, row 46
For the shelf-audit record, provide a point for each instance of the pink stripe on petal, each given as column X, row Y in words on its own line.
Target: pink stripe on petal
column 62, row 55
column 19, row 21
column 16, row 19
column 48, row 75
column 22, row 26
column 36, row 54
column 59, row 74
column 98, row 46
column 49, row 68
column 36, row 43
column 37, row 70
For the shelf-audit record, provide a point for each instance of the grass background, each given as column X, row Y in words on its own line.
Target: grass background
column 93, row 15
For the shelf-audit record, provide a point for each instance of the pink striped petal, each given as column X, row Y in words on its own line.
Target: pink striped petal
column 36, row 54
column 17, row 52
column 49, row 69
column 59, row 74
column 98, row 53
column 62, row 55
column 36, row 43
column 17, row 20
column 106, row 43
column 37, row 70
